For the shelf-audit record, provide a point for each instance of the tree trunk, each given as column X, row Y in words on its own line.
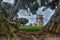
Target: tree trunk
column 7, row 23
column 54, row 24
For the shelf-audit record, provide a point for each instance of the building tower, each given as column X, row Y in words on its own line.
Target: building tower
column 39, row 20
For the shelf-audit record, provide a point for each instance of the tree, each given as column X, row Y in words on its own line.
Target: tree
column 54, row 24
column 21, row 21
column 8, row 25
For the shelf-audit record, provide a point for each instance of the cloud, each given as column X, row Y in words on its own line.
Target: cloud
column 32, row 18
column 46, row 14
column 9, row 1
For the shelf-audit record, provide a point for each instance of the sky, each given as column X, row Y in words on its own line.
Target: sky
column 32, row 18
column 9, row 1
column 46, row 14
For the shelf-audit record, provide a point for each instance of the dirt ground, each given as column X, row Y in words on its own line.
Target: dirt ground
column 32, row 36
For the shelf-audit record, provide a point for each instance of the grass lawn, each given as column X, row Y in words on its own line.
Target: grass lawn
column 31, row 28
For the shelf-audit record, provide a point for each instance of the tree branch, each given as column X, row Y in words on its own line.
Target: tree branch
column 14, row 10
column 11, row 22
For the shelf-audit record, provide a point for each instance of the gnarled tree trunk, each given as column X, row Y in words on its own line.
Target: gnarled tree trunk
column 54, row 24
column 7, row 23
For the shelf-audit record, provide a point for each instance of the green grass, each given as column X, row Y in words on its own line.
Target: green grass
column 31, row 28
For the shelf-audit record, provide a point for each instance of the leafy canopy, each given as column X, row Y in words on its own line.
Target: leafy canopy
column 22, row 20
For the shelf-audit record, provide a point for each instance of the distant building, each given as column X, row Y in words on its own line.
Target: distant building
column 39, row 20
column 34, row 24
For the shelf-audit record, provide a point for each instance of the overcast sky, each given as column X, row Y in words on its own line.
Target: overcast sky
column 32, row 18
column 10, row 1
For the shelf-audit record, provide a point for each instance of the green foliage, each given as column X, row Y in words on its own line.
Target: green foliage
column 5, row 9
column 6, row 5
column 31, row 28
column 21, row 21
column 34, row 8
column 1, row 30
column 43, row 2
column 1, row 0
